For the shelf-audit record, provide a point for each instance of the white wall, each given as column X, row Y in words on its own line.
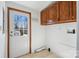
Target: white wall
column 38, row 36
column 2, row 36
column 59, row 41
column 77, row 29
column 37, row 30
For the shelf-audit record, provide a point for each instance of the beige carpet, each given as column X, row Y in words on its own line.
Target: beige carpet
column 41, row 54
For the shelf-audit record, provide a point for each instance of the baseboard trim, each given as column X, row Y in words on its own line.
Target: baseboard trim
column 21, row 55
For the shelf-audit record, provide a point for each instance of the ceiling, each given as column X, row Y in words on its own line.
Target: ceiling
column 36, row 5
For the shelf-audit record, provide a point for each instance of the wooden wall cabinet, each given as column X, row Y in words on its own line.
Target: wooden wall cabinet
column 53, row 13
column 59, row 12
column 44, row 17
column 67, row 11
column 64, row 11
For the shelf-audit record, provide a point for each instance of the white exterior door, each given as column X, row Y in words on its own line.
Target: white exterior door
column 19, row 33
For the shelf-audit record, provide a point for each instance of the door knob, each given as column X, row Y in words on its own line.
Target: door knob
column 11, row 33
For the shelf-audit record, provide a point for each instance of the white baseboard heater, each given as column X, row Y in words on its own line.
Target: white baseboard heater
column 39, row 49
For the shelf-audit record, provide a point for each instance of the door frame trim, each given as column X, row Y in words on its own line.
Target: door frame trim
column 8, row 28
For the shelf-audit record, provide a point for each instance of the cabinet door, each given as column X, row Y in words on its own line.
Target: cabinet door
column 44, row 17
column 74, row 10
column 53, row 13
column 64, row 11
